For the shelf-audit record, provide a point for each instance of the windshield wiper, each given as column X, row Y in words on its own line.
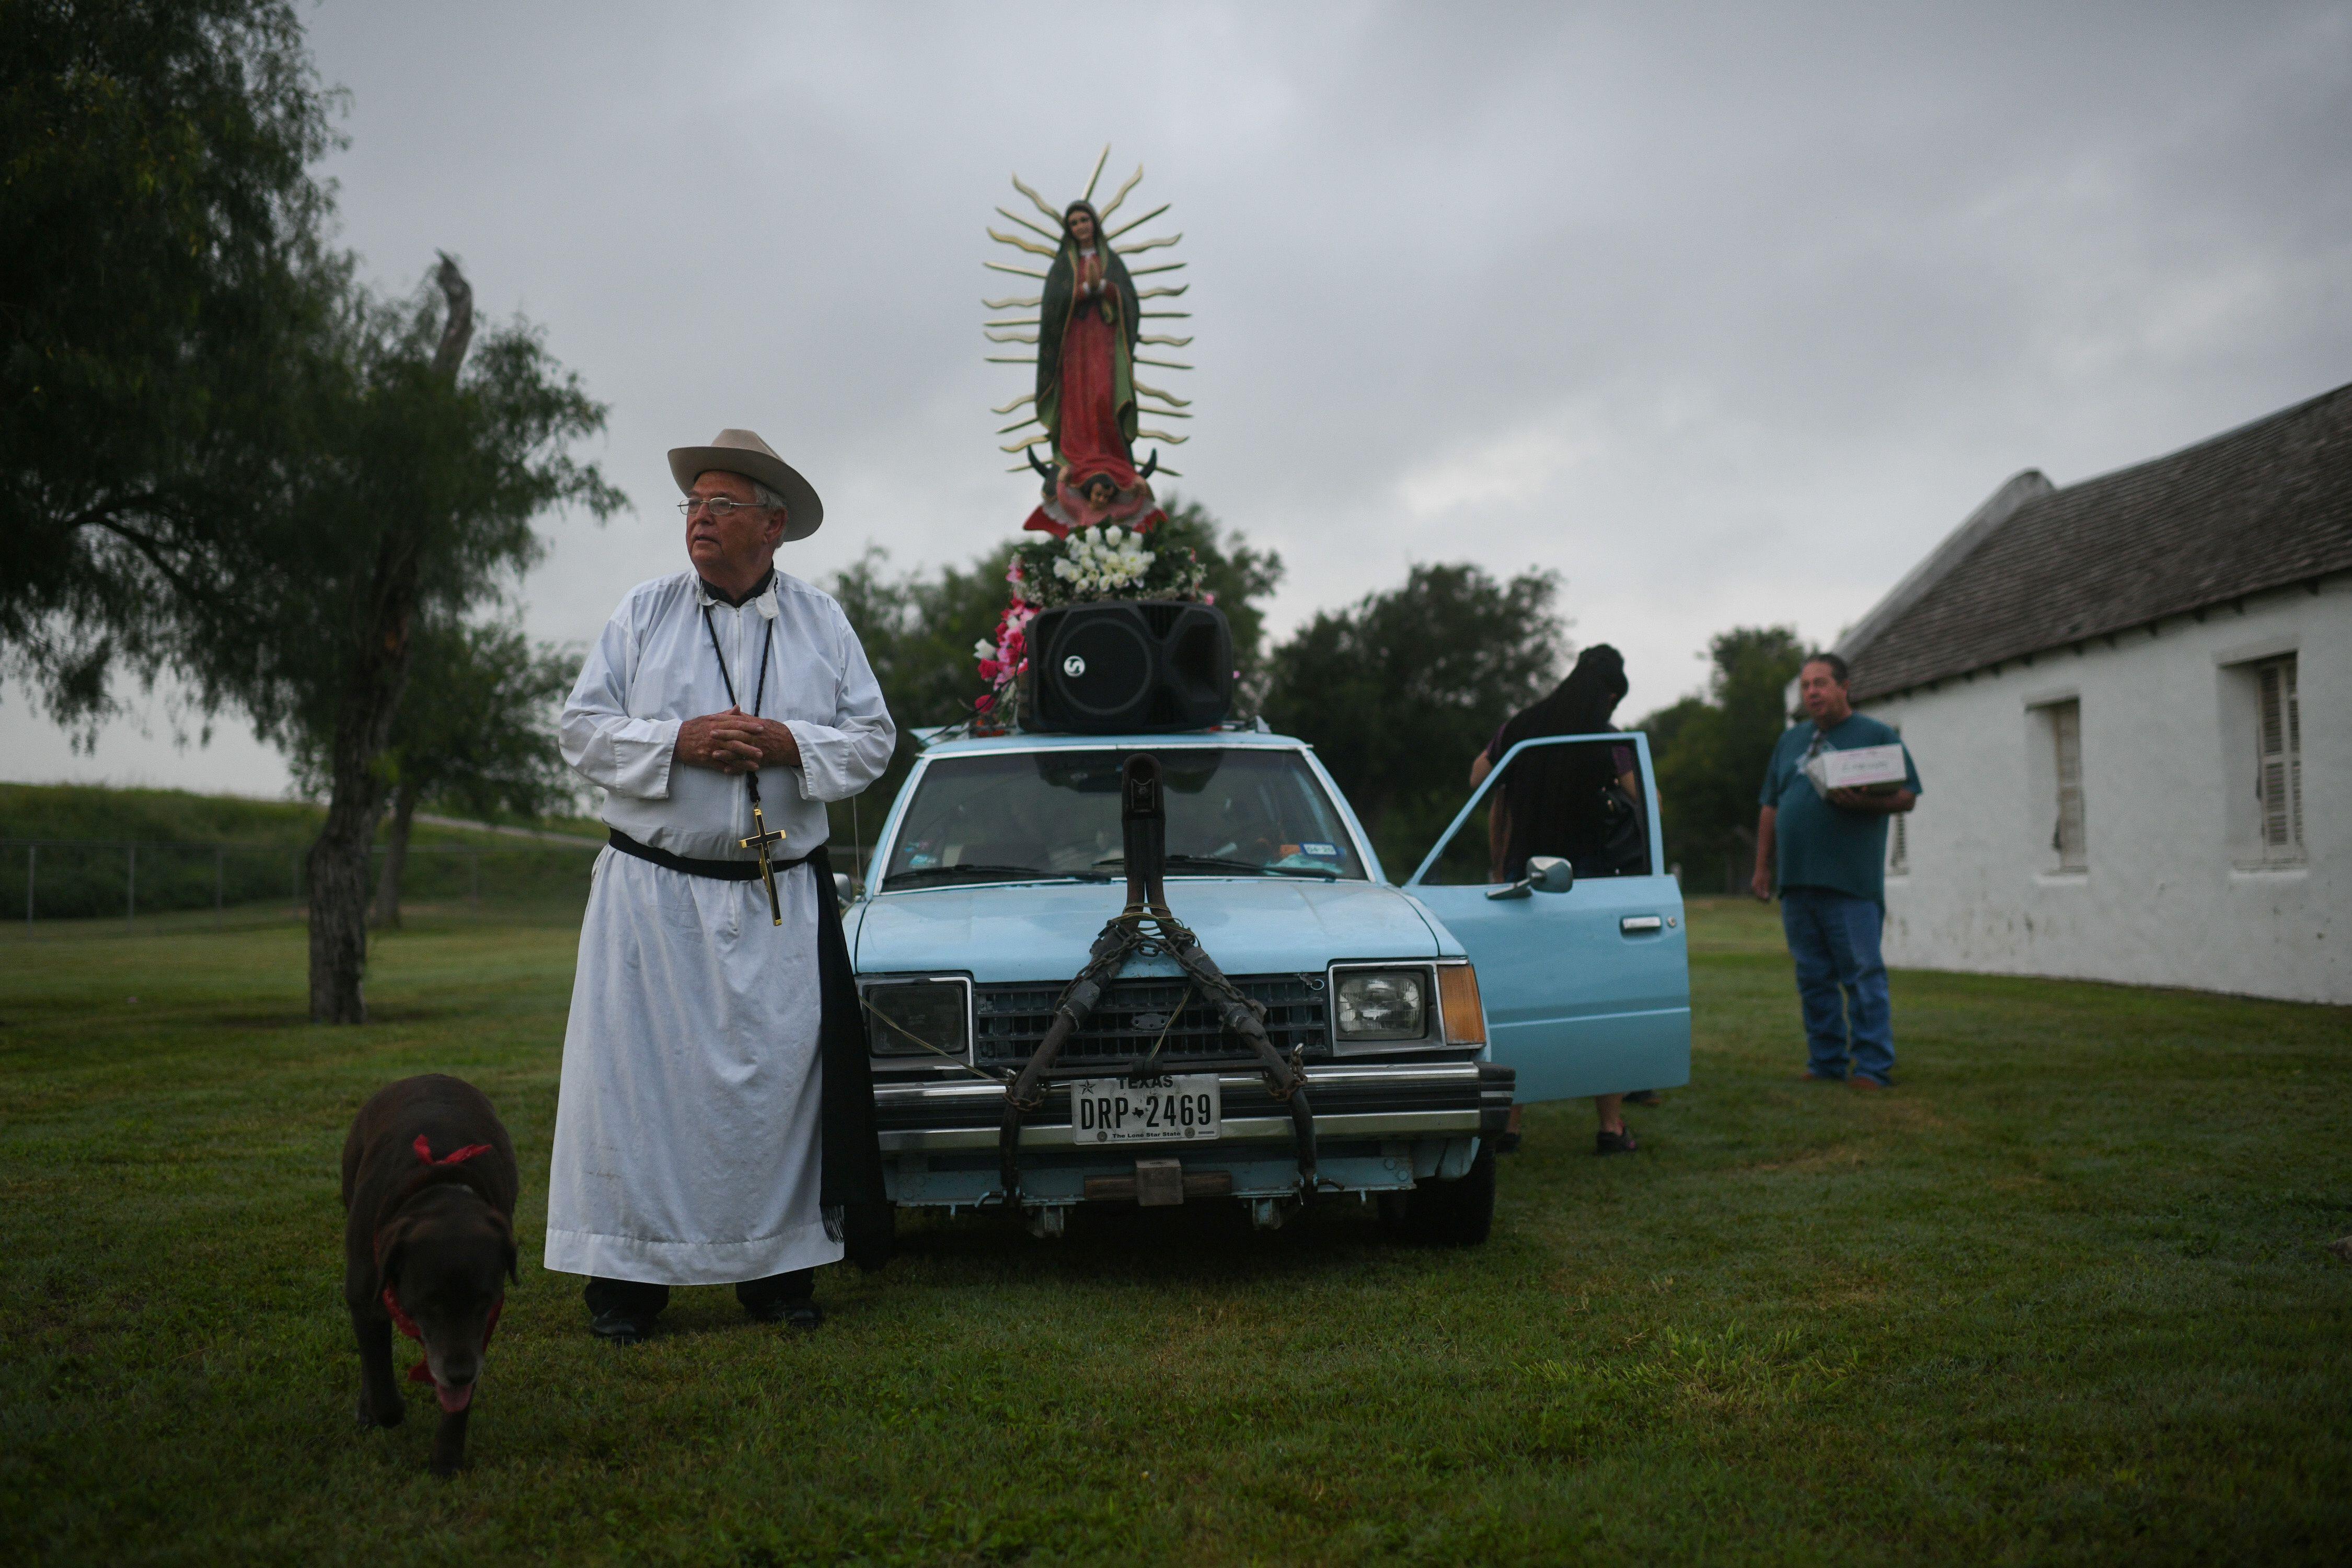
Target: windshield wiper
column 983, row 871
column 1220, row 863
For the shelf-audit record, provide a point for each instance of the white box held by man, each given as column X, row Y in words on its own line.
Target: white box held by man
column 1880, row 770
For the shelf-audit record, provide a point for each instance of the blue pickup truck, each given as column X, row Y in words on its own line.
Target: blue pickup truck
column 1421, row 1012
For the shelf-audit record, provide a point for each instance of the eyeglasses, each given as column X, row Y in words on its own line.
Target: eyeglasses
column 718, row 506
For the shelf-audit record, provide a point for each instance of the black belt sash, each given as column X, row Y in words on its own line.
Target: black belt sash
column 716, row 870
column 851, row 1190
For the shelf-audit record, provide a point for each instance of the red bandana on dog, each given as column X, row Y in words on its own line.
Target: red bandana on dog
column 425, row 1152
column 423, row 1372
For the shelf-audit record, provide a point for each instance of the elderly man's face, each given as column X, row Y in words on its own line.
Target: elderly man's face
column 1825, row 699
column 735, row 549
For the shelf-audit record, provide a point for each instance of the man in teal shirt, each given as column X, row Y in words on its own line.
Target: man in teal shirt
column 1831, row 854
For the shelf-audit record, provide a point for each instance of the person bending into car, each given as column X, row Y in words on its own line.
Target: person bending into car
column 714, row 1123
column 1582, row 803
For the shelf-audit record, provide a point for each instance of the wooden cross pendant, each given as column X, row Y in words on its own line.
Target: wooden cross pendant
column 757, row 844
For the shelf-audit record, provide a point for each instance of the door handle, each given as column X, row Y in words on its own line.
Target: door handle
column 1641, row 925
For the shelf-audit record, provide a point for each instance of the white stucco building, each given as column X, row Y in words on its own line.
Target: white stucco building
column 2130, row 700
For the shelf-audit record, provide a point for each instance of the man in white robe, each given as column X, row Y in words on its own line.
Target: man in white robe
column 715, row 1116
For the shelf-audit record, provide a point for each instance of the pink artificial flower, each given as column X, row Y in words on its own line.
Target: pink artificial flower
column 1209, row 598
column 985, row 702
column 989, row 668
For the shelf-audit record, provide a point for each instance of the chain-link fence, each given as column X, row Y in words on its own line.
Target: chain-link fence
column 84, row 878
column 89, row 879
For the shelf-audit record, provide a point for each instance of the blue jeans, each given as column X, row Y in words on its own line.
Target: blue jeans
column 1842, row 981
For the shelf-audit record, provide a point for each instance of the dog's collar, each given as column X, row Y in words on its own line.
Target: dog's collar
column 424, row 1148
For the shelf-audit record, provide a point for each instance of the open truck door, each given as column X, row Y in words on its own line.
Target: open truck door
column 1587, row 990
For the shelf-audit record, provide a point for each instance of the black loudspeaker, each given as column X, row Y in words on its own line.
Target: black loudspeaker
column 1128, row 667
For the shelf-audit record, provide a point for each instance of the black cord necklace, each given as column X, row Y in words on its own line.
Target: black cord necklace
column 760, row 837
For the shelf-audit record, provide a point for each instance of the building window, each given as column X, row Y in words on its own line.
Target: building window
column 2066, row 833
column 2278, row 760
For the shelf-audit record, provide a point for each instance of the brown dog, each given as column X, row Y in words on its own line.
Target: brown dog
column 429, row 1192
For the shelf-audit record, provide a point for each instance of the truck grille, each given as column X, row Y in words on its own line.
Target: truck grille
column 1012, row 1020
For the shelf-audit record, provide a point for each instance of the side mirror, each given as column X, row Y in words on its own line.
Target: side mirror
column 1545, row 874
column 843, row 893
column 1550, row 874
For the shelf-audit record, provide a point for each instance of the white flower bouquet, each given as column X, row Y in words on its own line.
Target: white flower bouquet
column 1108, row 562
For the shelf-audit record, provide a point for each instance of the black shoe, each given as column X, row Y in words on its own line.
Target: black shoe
column 1643, row 1097
column 802, row 1314
column 1618, row 1143
column 618, row 1327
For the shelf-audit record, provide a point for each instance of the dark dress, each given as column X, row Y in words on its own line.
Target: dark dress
column 1566, row 800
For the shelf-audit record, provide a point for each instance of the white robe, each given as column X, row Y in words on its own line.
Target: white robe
column 687, row 1148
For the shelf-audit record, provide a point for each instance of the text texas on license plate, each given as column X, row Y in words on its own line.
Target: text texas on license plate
column 1144, row 1110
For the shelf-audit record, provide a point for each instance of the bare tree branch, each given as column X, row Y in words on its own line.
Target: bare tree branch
column 458, row 330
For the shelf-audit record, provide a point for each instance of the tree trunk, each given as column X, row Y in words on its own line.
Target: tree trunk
column 370, row 697
column 339, row 860
column 395, row 857
column 337, row 869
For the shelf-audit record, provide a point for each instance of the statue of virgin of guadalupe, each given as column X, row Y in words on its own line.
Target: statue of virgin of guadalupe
column 1088, row 324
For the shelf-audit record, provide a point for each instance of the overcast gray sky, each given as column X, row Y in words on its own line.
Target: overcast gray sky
column 1726, row 314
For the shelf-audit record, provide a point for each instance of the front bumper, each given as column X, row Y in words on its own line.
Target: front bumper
column 1356, row 1099
column 1378, row 1127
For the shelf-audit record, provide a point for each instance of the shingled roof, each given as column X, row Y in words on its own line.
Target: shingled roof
column 2265, row 506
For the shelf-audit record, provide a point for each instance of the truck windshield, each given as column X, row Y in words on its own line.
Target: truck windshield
column 1231, row 812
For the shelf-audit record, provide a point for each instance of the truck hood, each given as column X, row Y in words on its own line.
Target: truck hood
column 1254, row 925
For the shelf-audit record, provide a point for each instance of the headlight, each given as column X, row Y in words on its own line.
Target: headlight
column 1382, row 1004
column 930, row 1018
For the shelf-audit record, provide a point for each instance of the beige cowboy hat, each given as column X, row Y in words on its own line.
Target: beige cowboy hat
column 742, row 452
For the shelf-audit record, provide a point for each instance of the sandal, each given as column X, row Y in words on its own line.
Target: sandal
column 1618, row 1143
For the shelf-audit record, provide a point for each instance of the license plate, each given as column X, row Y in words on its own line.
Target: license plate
column 1183, row 1108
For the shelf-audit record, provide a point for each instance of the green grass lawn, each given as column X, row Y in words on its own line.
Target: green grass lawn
column 2063, row 1296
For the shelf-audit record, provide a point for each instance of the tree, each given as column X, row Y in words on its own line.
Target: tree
column 422, row 470
column 1398, row 692
column 225, row 458
column 1241, row 576
column 475, row 732
column 423, row 500
column 167, row 270
column 1710, row 752
column 918, row 630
